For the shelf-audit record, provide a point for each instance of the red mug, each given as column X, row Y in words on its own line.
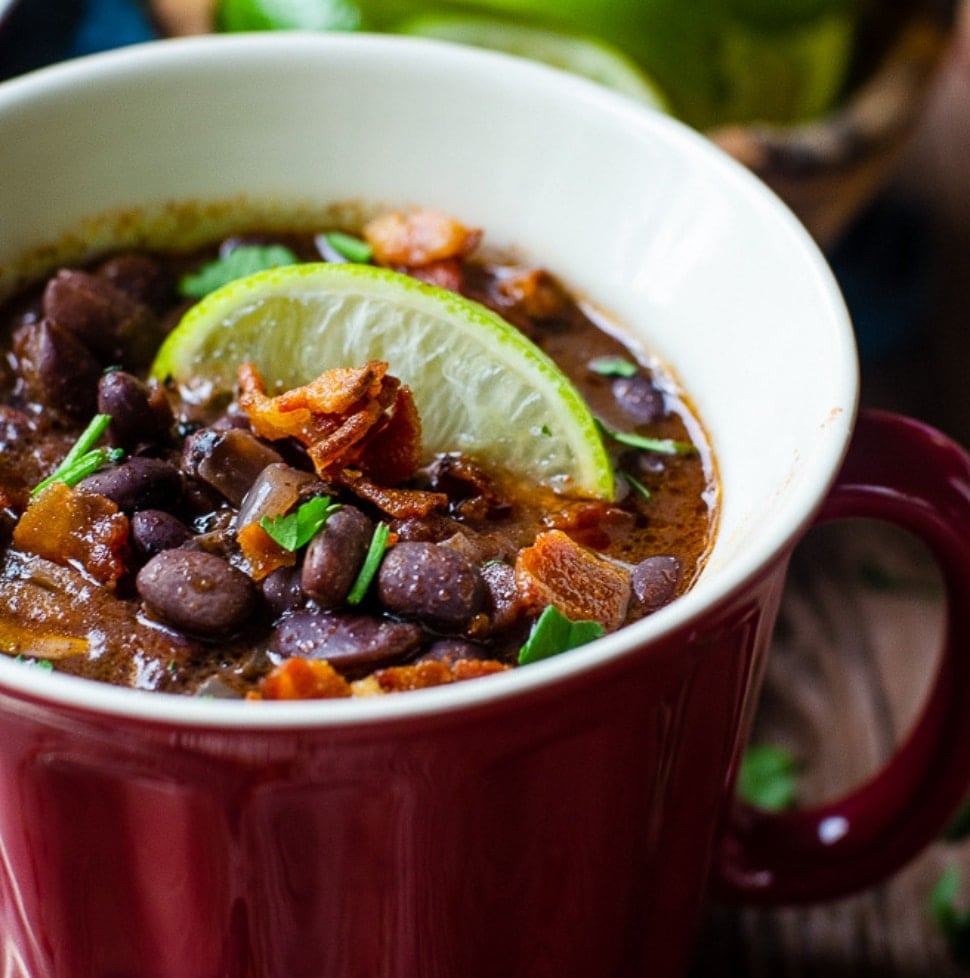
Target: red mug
column 563, row 819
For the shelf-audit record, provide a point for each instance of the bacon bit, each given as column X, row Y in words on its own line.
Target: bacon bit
column 445, row 274
column 531, row 291
column 303, row 679
column 262, row 552
column 556, row 570
column 474, row 668
column 348, row 416
column 398, row 503
column 424, row 675
column 592, row 523
column 394, row 451
column 69, row 526
column 420, row 238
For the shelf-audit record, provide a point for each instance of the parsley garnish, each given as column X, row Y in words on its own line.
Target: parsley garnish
column 613, row 367
column 240, row 262
column 552, row 633
column 375, row 553
column 298, row 528
column 768, row 778
column 349, row 247
column 954, row 924
column 83, row 459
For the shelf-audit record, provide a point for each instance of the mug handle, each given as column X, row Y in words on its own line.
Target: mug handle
column 903, row 472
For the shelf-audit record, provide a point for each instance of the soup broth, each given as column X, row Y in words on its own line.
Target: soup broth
column 198, row 556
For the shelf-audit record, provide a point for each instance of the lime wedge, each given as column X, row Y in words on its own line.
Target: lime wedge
column 481, row 387
column 584, row 56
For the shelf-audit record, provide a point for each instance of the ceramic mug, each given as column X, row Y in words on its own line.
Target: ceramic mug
column 563, row 819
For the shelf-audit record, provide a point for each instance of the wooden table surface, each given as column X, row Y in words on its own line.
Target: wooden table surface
column 861, row 622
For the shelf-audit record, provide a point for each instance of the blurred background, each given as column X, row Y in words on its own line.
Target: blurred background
column 857, row 113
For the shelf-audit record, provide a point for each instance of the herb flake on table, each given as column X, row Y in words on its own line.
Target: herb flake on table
column 953, row 922
column 768, row 778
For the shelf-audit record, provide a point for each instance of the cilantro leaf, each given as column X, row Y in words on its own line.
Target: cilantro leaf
column 348, row 247
column 613, row 367
column 83, row 459
column 298, row 528
column 637, row 485
column 663, row 446
column 240, row 262
column 768, row 778
column 553, row 633
column 375, row 553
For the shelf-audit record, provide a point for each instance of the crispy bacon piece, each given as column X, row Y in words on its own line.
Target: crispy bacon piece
column 302, row 679
column 399, row 503
column 348, row 416
column 69, row 526
column 423, row 675
column 583, row 586
column 419, row 239
column 531, row 291
column 262, row 552
column 449, row 273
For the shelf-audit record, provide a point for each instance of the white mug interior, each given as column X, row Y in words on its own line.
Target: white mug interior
column 636, row 212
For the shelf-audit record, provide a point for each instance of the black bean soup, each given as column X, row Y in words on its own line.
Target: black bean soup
column 179, row 549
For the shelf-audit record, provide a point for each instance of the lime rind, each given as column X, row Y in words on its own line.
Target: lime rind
column 480, row 385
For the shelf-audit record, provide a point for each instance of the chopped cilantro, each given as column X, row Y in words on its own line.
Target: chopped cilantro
column 637, row 485
column 45, row 665
column 375, row 553
column 613, row 366
column 553, row 633
column 768, row 778
column 347, row 246
column 83, row 459
column 240, row 262
column 297, row 529
column 663, row 446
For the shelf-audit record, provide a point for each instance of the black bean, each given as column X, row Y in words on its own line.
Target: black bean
column 141, row 277
column 639, row 399
column 229, row 461
column 115, row 327
column 502, row 601
column 430, row 582
column 196, row 592
column 140, row 414
column 137, row 483
column 153, row 530
column 282, row 591
column 57, row 369
column 335, row 556
column 451, row 650
column 656, row 580
column 353, row 644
